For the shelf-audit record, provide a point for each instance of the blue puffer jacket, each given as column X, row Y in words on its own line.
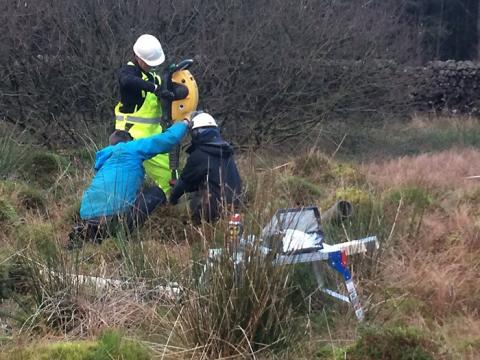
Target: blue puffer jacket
column 120, row 173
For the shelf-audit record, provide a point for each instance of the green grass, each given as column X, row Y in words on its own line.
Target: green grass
column 32, row 198
column 110, row 346
column 42, row 168
column 238, row 312
column 399, row 343
column 8, row 214
column 12, row 152
column 400, row 139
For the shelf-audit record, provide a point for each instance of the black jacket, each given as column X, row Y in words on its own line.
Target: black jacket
column 210, row 166
column 131, row 86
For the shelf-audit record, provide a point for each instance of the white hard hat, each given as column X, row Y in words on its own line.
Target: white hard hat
column 203, row 120
column 148, row 48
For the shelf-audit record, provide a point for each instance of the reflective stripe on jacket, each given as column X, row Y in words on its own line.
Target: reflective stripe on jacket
column 149, row 113
column 144, row 122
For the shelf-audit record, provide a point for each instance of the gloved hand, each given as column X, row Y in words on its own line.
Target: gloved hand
column 188, row 120
column 165, row 94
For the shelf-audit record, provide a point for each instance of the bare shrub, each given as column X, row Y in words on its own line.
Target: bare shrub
column 271, row 70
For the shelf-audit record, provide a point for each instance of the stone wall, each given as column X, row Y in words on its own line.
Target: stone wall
column 446, row 86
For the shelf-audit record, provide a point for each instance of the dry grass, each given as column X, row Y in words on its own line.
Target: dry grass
column 463, row 334
column 446, row 169
column 85, row 316
column 426, row 122
column 437, row 268
column 166, row 249
column 434, row 267
column 119, row 309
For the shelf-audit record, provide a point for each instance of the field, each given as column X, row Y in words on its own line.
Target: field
column 408, row 183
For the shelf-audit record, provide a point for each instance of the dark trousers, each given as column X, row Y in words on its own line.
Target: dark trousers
column 204, row 207
column 147, row 201
column 96, row 229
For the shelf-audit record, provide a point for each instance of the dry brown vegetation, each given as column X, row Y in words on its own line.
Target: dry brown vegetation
column 424, row 278
column 445, row 170
column 435, row 268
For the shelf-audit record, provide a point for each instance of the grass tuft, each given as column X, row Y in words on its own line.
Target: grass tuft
column 232, row 310
column 421, row 208
column 42, row 237
column 12, row 152
column 300, row 191
column 42, row 168
column 112, row 345
column 32, row 199
column 313, row 164
column 8, row 214
column 392, row 343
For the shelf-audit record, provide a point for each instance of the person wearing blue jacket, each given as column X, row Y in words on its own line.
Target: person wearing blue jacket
column 116, row 192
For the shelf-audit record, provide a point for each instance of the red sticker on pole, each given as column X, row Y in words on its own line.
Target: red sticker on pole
column 343, row 255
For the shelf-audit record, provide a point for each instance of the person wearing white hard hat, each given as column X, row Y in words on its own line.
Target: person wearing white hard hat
column 210, row 172
column 140, row 108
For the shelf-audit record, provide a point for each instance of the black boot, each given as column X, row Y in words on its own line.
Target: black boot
column 86, row 231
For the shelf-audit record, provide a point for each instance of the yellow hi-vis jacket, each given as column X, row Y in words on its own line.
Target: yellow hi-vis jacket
column 144, row 122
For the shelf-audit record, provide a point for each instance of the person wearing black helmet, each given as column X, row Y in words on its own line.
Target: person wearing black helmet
column 210, row 172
